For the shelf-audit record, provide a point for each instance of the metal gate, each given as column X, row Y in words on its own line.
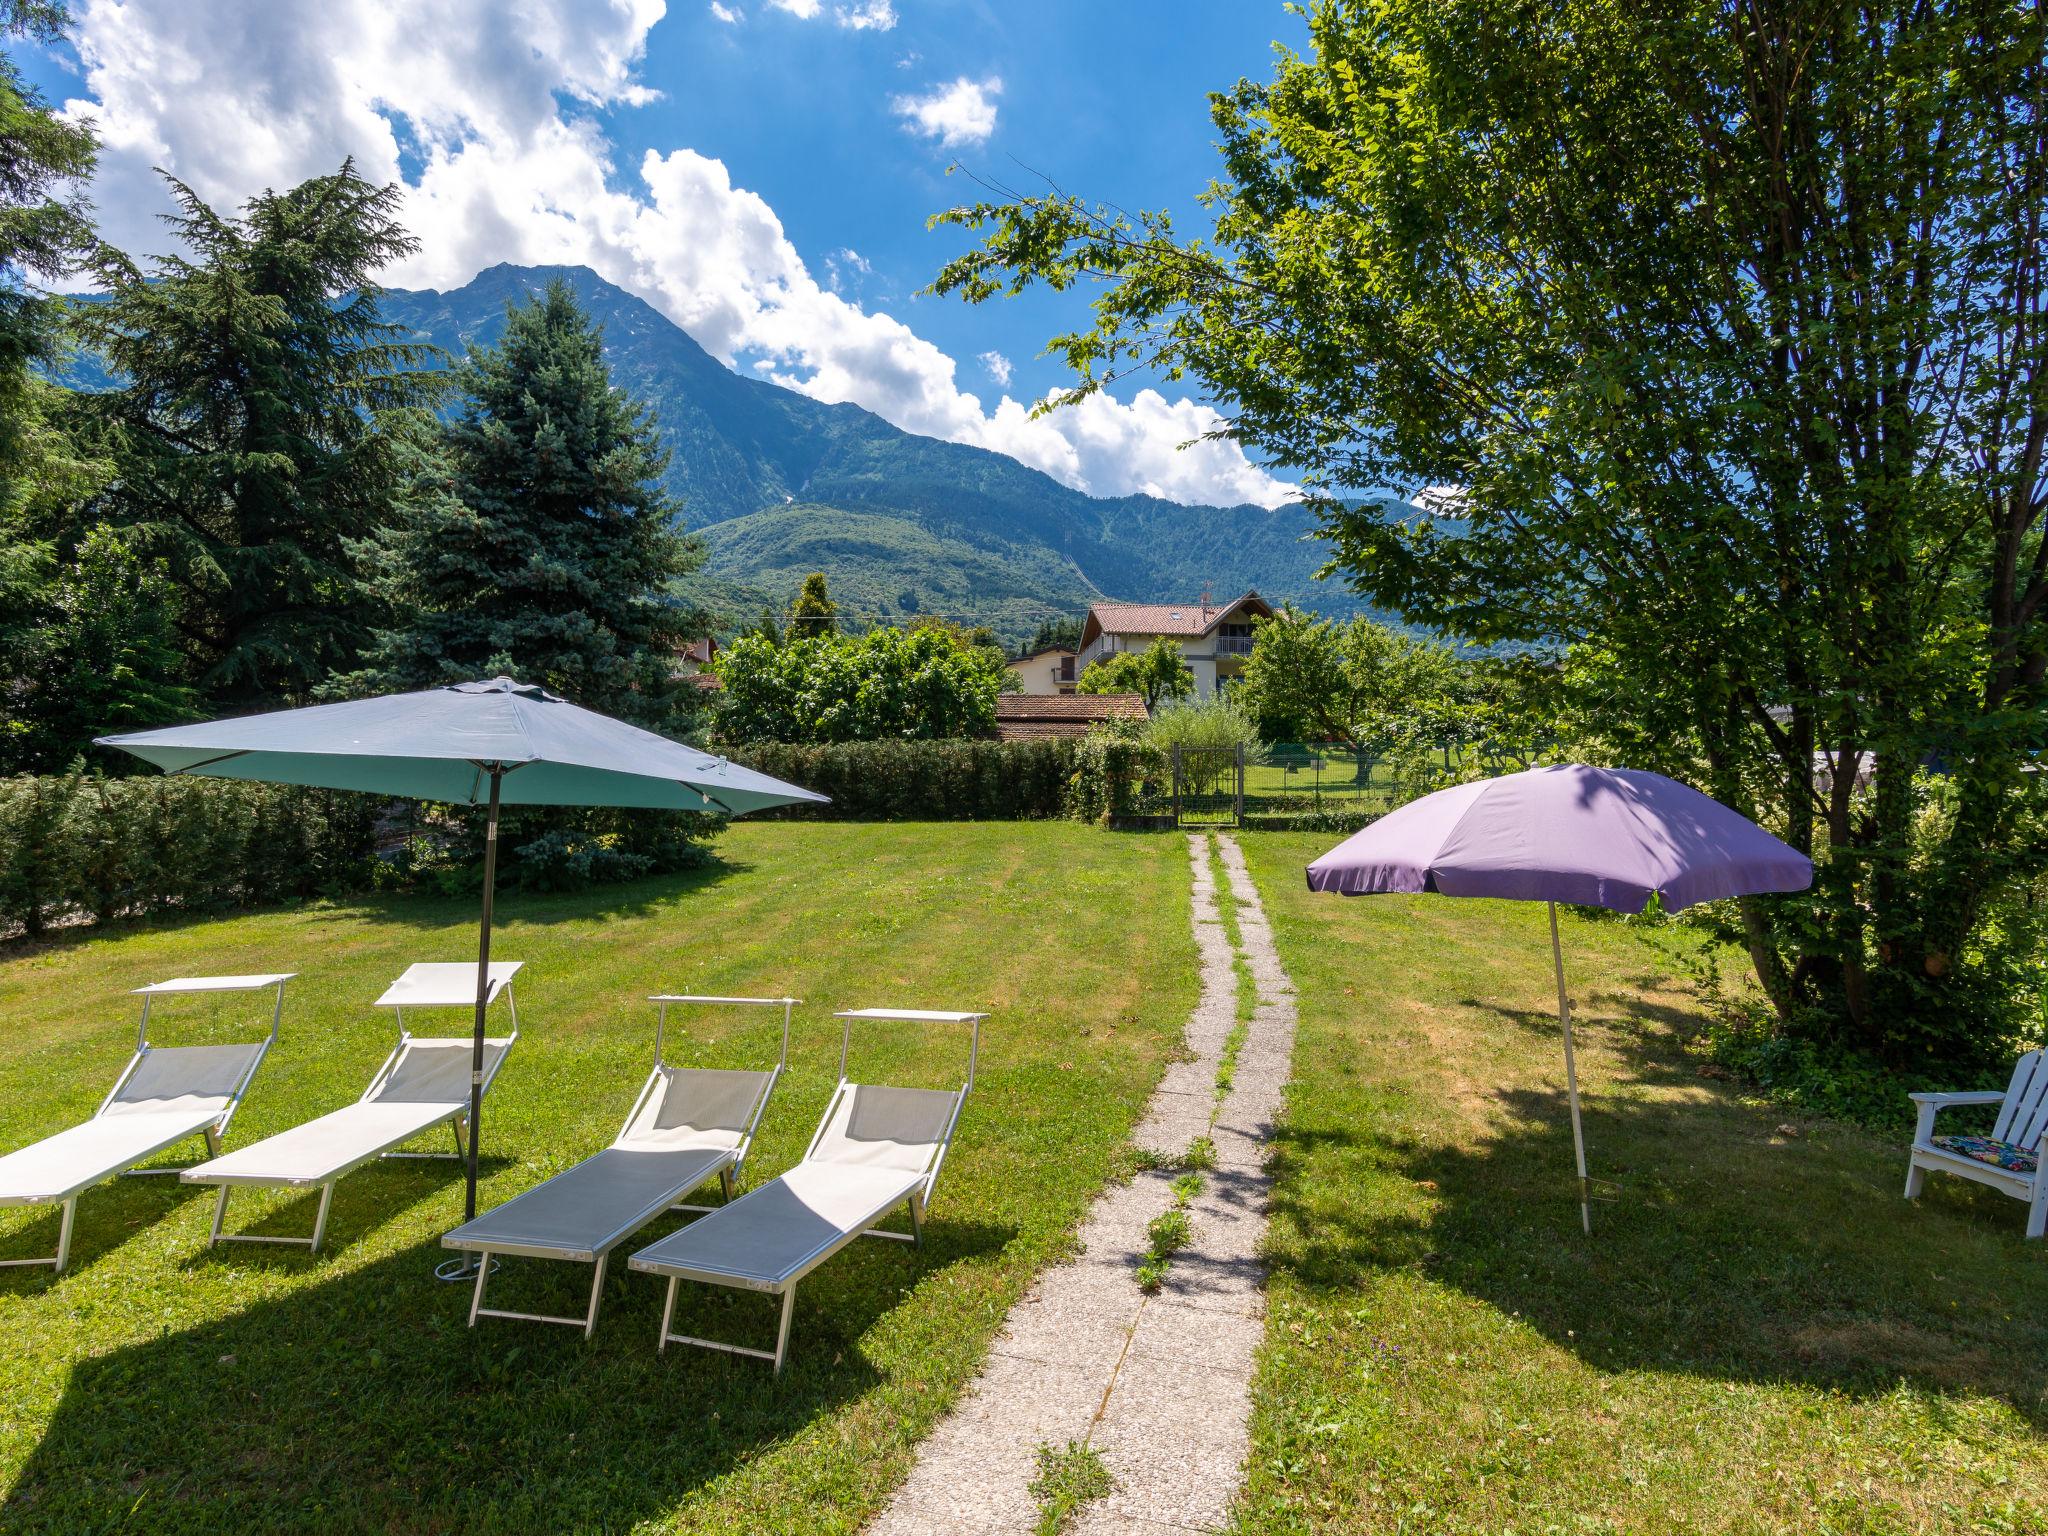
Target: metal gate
column 1208, row 786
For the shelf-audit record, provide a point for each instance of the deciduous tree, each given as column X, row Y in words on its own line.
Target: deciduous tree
column 1160, row 672
column 1725, row 320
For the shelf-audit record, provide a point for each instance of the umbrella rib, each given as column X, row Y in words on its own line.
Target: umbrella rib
column 208, row 762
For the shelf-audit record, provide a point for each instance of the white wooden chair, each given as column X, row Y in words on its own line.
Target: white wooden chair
column 2009, row 1159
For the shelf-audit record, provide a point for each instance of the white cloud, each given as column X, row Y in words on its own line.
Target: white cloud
column 866, row 16
column 726, row 14
column 961, row 113
column 462, row 101
column 998, row 367
column 846, row 269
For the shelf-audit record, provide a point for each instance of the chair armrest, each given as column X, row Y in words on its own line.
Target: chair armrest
column 1932, row 1104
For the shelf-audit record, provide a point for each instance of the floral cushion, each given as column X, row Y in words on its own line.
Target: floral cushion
column 2000, row 1154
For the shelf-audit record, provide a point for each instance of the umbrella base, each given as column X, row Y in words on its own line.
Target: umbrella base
column 460, row 1270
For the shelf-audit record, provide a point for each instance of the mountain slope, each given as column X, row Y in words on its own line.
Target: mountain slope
column 778, row 484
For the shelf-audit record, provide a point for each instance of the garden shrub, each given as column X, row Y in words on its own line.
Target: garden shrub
column 83, row 847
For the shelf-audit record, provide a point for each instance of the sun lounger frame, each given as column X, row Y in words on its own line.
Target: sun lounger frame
column 210, row 1134
column 457, row 1120
column 729, row 1169
column 916, row 1198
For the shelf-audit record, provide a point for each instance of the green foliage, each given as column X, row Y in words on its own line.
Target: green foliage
column 82, row 846
column 1159, row 672
column 1363, row 684
column 1116, row 776
column 1167, row 1233
column 1066, row 1480
column 1221, row 724
column 1240, row 1032
column 1722, row 321
column 1061, row 634
column 895, row 780
column 262, row 425
column 811, row 615
column 887, row 683
column 545, row 550
column 86, row 647
column 44, row 234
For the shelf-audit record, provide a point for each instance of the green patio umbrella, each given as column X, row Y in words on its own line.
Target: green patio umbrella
column 489, row 743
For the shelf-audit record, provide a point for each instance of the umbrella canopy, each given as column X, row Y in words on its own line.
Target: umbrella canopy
column 441, row 744
column 491, row 743
column 1591, row 837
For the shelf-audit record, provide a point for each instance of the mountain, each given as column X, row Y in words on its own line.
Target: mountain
column 778, row 484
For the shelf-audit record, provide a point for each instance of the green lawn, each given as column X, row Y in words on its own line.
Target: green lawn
column 1760, row 1335
column 159, row 1385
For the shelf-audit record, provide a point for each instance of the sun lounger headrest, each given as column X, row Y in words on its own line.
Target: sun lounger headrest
column 196, row 1077
column 879, row 1127
column 700, row 1107
column 436, row 1071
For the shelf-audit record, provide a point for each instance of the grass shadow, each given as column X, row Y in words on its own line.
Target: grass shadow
column 363, row 1402
column 108, row 1215
column 422, row 908
column 1728, row 1250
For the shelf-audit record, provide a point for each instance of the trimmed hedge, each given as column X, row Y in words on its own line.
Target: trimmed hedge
column 920, row 780
column 84, row 848
column 1092, row 779
column 81, row 847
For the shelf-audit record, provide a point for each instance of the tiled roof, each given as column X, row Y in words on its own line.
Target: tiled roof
column 1025, row 716
column 1070, row 706
column 1166, row 618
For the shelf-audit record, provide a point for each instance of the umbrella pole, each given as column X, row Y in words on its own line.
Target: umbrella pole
column 483, row 991
column 465, row 1267
column 1571, row 1073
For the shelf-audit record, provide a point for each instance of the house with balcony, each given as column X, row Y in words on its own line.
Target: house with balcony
column 1214, row 638
column 1044, row 673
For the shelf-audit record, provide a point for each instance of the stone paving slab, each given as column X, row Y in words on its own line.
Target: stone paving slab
column 1173, row 1437
column 1158, row 1385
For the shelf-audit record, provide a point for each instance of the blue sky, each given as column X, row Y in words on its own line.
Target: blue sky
column 759, row 170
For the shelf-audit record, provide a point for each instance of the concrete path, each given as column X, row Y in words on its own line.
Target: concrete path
column 1159, row 1385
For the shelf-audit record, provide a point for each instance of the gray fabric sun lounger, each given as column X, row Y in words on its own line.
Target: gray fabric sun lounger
column 688, row 1125
column 165, row 1094
column 423, row 1083
column 875, row 1149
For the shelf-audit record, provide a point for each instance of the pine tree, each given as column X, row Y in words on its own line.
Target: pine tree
column 263, row 425
column 549, row 550
column 44, row 233
column 813, row 613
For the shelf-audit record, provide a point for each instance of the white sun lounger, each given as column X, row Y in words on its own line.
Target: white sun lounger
column 166, row 1094
column 875, row 1149
column 423, row 1083
column 688, row 1124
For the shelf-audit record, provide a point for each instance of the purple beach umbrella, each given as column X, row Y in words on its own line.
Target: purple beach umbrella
column 1590, row 837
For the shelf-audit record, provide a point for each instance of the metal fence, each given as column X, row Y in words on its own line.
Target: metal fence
column 1294, row 779
column 1208, row 786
